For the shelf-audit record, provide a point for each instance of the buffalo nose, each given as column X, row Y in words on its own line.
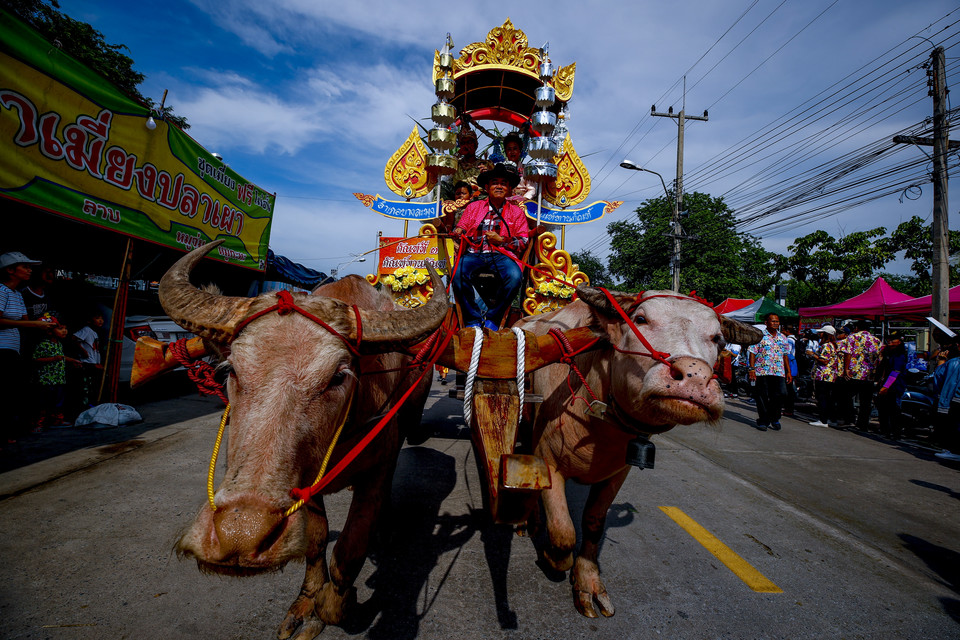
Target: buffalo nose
column 690, row 370
column 243, row 532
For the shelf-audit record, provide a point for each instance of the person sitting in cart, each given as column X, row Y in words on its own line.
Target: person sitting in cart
column 513, row 149
column 486, row 224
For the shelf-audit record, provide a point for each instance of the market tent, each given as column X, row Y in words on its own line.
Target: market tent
column 732, row 304
column 918, row 308
column 873, row 302
column 755, row 311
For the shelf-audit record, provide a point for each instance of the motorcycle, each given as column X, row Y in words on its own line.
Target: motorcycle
column 918, row 405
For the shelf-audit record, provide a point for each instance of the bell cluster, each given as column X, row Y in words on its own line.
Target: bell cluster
column 546, row 146
column 441, row 138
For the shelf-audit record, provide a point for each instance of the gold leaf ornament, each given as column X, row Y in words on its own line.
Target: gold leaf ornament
column 572, row 185
column 406, row 172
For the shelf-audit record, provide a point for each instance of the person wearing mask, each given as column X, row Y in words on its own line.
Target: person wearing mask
column 827, row 365
column 486, row 225
column 15, row 269
column 890, row 376
column 770, row 370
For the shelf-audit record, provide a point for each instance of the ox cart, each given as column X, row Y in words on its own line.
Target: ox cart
column 568, row 386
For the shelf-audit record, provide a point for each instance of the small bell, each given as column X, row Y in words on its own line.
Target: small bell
column 641, row 453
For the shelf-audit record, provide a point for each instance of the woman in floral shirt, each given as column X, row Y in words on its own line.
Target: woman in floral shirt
column 861, row 351
column 829, row 365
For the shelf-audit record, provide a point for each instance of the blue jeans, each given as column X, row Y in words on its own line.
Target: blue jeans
column 509, row 273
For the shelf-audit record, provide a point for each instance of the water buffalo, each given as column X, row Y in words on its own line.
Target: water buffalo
column 290, row 386
column 644, row 397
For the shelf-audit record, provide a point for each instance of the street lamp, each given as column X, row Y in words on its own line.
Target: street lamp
column 336, row 270
column 627, row 164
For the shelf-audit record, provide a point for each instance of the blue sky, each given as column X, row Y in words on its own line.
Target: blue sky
column 309, row 99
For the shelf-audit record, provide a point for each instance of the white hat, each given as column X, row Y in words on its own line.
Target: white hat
column 15, row 257
column 827, row 328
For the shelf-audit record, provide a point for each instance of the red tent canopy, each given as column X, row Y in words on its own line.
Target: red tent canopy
column 732, row 304
column 875, row 301
column 922, row 307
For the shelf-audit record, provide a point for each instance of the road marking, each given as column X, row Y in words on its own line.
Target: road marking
column 740, row 567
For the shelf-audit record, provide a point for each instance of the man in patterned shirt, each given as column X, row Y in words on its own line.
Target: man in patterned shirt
column 861, row 351
column 770, row 370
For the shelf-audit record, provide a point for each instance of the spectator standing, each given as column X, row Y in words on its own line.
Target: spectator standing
column 790, row 400
column 51, row 378
column 89, row 341
column 15, row 269
column 947, row 378
column 770, row 369
column 890, row 376
column 861, row 351
column 827, row 369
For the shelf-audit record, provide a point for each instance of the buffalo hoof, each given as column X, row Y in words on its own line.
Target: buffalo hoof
column 584, row 601
column 300, row 611
column 588, row 590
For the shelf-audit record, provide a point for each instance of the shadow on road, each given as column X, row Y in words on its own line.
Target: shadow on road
column 944, row 562
column 414, row 536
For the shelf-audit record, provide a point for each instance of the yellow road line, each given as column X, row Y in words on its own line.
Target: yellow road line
column 740, row 567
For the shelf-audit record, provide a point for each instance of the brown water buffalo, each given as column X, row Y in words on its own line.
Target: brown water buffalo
column 643, row 395
column 290, row 386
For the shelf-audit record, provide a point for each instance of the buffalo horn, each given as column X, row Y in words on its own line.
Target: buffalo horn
column 211, row 316
column 736, row 332
column 384, row 331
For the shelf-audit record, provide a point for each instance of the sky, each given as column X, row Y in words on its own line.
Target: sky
column 309, row 99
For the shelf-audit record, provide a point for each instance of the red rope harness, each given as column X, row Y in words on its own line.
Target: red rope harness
column 308, row 492
column 199, row 371
column 285, row 305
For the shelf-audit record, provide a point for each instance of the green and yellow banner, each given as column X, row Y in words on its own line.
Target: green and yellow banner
column 73, row 144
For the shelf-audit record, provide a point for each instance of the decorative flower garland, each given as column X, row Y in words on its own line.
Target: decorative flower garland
column 405, row 278
column 554, row 289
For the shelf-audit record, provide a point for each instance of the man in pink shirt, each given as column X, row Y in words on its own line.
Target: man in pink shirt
column 486, row 224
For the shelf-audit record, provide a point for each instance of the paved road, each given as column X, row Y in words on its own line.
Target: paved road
column 861, row 535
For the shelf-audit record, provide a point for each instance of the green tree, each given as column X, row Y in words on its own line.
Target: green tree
column 716, row 260
column 594, row 268
column 913, row 237
column 88, row 46
column 818, row 256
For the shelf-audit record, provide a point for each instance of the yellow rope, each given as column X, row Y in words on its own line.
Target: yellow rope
column 213, row 458
column 326, row 459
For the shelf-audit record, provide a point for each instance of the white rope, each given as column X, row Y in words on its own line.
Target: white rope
column 471, row 376
column 521, row 363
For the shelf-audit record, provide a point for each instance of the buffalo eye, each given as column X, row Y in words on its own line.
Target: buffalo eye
column 639, row 319
column 338, row 378
column 718, row 340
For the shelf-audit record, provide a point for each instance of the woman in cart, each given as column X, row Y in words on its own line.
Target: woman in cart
column 488, row 225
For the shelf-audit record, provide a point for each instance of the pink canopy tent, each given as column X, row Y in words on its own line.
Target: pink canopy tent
column 732, row 304
column 918, row 308
column 875, row 301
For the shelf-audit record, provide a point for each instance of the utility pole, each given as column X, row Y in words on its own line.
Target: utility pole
column 678, row 201
column 937, row 82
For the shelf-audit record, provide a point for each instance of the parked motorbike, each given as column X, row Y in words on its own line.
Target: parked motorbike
column 918, row 406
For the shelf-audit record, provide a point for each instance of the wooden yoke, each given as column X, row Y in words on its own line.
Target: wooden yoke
column 154, row 357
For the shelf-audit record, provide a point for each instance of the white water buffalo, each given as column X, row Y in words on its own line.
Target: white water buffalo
column 643, row 395
column 290, row 386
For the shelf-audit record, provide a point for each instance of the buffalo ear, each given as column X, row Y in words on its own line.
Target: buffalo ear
column 737, row 332
column 596, row 299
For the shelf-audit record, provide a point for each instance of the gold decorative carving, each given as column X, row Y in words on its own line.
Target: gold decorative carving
column 505, row 45
column 546, row 294
column 563, row 82
column 612, row 206
column 406, row 172
column 367, row 200
column 572, row 185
